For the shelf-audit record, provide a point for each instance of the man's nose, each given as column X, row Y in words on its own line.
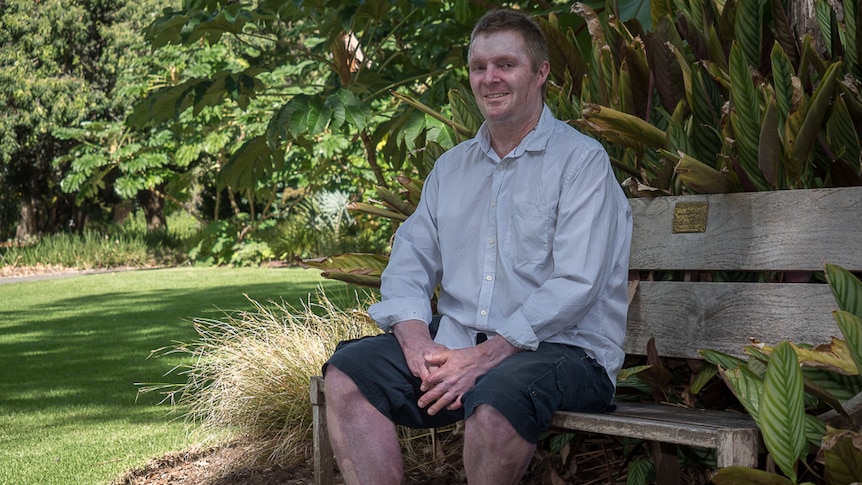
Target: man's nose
column 490, row 75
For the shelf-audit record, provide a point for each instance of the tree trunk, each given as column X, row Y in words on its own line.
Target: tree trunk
column 27, row 228
column 804, row 20
column 153, row 207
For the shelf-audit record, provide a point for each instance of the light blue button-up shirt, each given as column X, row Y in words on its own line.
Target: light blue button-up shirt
column 532, row 247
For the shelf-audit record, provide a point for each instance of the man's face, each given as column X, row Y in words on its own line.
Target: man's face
column 506, row 88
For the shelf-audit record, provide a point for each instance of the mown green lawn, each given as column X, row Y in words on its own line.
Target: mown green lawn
column 73, row 348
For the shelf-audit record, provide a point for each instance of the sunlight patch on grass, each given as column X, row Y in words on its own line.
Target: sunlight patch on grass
column 72, row 349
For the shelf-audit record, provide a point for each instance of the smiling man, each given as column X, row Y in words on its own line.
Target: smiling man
column 526, row 232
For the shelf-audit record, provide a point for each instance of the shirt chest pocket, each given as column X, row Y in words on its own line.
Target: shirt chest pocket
column 529, row 232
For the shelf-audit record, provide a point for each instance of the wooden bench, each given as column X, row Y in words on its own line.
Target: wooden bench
column 783, row 234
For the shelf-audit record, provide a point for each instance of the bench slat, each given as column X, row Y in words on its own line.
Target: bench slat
column 782, row 231
column 684, row 316
column 735, row 436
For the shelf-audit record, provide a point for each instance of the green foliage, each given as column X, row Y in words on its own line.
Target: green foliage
column 312, row 75
column 127, row 244
column 787, row 402
column 727, row 99
column 59, row 63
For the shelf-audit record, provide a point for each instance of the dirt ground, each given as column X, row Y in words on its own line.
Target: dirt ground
column 215, row 467
column 597, row 461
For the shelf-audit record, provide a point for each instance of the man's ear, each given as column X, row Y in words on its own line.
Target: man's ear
column 544, row 71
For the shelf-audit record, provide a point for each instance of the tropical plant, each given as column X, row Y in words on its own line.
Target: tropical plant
column 804, row 399
column 721, row 96
column 308, row 103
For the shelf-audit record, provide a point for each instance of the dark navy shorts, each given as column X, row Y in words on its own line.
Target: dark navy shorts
column 527, row 387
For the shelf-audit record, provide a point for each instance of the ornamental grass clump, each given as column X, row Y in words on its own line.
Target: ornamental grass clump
column 249, row 372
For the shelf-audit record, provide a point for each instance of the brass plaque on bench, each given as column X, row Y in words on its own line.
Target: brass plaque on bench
column 690, row 217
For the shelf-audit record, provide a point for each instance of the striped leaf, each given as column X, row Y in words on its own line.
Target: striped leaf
column 749, row 31
column 851, row 328
column 706, row 115
column 747, row 387
column 840, row 133
column 783, row 31
column 701, row 177
column 816, row 113
column 846, row 288
column 702, row 378
column 782, row 81
column 745, row 117
column 769, row 147
column 621, row 127
column 782, row 411
column 835, row 356
column 640, row 472
column 720, row 359
column 815, row 428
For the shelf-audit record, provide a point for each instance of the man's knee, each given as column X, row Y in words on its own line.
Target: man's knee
column 339, row 387
column 486, row 420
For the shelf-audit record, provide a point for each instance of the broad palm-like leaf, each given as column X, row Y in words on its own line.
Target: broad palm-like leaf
column 782, row 411
column 846, row 288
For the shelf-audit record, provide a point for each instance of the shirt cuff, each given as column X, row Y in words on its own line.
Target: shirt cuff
column 389, row 312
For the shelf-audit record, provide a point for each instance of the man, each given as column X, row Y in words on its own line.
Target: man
column 526, row 232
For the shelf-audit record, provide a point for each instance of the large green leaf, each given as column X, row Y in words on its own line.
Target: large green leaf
column 343, row 106
column 841, row 134
column 250, row 163
column 814, row 116
column 706, row 116
column 721, row 359
column 782, row 82
column 782, row 410
column 783, row 31
column 562, row 52
column 749, row 30
column 745, row 118
column 701, row 177
column 621, row 127
column 769, row 147
column 747, row 387
column 846, row 288
column 665, row 69
column 851, row 327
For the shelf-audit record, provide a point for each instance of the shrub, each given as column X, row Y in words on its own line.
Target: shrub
column 249, row 373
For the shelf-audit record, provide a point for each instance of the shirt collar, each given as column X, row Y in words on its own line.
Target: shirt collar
column 535, row 140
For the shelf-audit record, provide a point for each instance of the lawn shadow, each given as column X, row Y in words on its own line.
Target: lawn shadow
column 54, row 355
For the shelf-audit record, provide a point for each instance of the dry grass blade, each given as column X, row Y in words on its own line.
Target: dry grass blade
column 249, row 373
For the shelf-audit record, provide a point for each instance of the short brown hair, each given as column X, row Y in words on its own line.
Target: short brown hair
column 507, row 20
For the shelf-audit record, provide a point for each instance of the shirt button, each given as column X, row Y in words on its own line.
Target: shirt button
column 489, row 278
column 501, row 168
column 490, row 241
column 483, row 313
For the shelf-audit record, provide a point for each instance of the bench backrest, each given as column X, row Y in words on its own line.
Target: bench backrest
column 789, row 232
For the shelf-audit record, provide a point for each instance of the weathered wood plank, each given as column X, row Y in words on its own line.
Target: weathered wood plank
column 684, row 317
column 791, row 230
column 323, row 459
column 658, row 422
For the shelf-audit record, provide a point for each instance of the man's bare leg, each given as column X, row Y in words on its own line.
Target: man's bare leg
column 494, row 453
column 365, row 442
